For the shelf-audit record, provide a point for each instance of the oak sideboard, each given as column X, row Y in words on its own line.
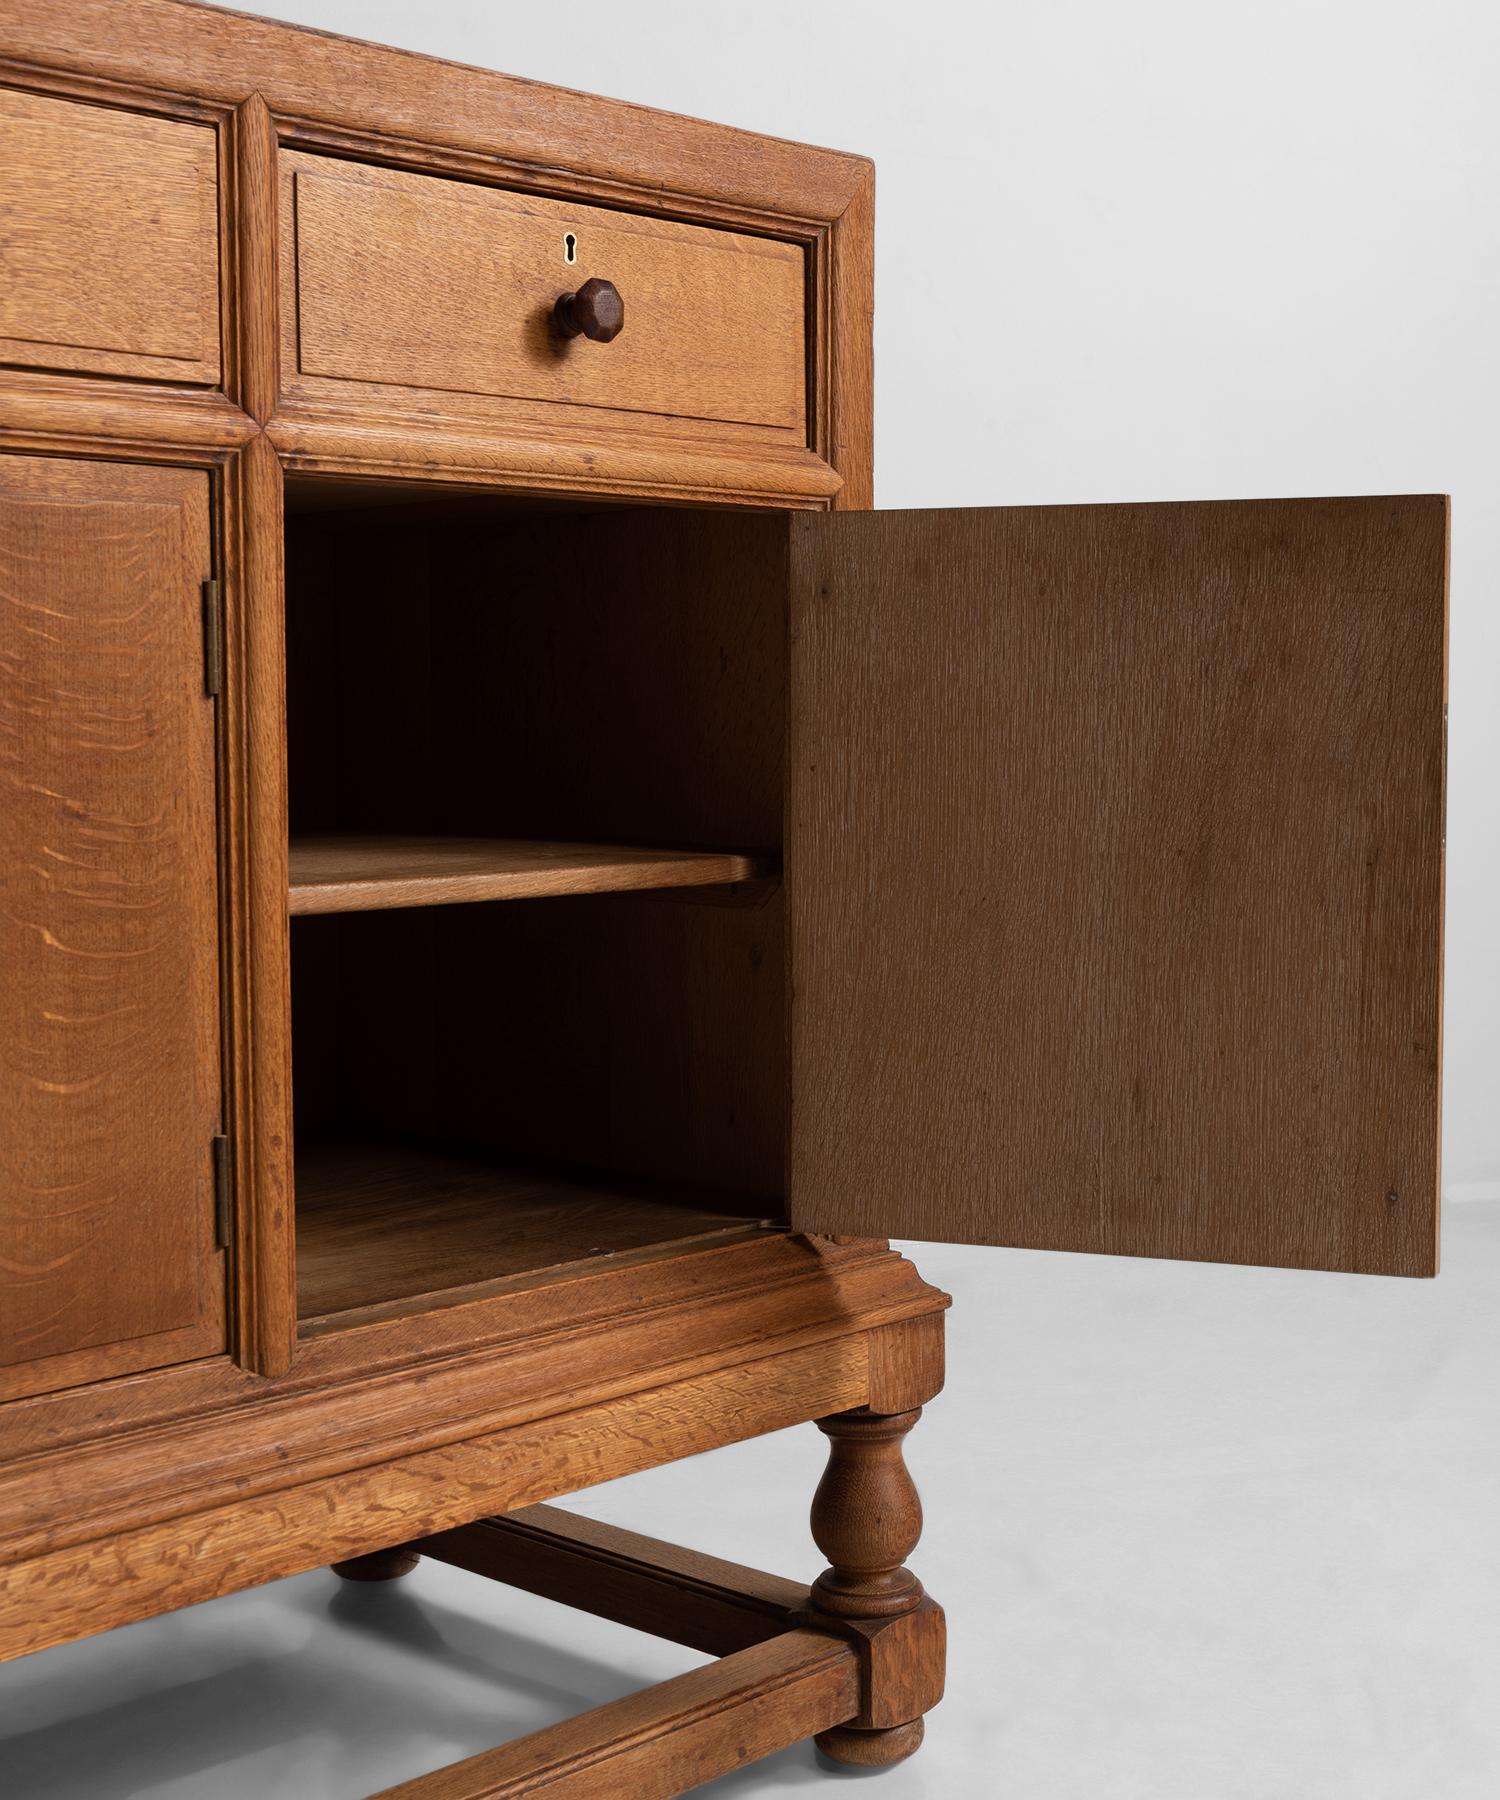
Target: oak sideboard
column 516, row 883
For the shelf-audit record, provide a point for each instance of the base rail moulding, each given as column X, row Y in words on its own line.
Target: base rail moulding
column 670, row 1738
column 786, row 1670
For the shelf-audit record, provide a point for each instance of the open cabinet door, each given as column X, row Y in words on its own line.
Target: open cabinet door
column 1114, row 865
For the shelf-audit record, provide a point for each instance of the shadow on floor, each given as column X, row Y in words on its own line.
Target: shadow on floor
column 366, row 1685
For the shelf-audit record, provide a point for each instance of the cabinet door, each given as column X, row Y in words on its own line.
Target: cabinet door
column 1115, row 878
column 109, row 1015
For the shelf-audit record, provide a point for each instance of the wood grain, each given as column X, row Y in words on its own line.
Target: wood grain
column 641, row 465
column 906, row 1365
column 373, row 88
column 669, row 1738
column 109, row 221
column 670, row 1592
column 397, row 1493
column 541, row 1340
column 65, row 414
column 379, row 418
column 61, row 1376
column 333, row 97
column 847, row 357
column 424, row 99
column 351, row 872
column 256, row 287
column 421, row 283
column 1115, row 876
column 148, row 1488
column 109, row 1014
column 86, row 1465
column 255, row 875
column 378, row 1223
column 866, row 1519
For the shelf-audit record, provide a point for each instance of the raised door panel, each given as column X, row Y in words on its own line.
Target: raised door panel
column 1115, row 878
column 109, row 1013
column 109, row 222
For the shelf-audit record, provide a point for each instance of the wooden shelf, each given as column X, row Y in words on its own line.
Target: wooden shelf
column 364, row 874
column 387, row 1230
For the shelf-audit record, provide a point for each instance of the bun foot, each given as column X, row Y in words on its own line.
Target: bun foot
column 854, row 1748
column 379, row 1565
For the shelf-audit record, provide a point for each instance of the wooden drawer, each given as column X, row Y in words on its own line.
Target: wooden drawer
column 109, row 222
column 418, row 282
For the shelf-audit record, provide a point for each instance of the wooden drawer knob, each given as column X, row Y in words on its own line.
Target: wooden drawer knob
column 596, row 311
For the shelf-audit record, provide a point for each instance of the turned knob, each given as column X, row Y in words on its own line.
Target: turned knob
column 596, row 311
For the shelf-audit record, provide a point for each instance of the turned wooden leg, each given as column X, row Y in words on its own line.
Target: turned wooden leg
column 866, row 1519
column 379, row 1565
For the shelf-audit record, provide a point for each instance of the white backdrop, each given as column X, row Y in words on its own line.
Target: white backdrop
column 1226, row 249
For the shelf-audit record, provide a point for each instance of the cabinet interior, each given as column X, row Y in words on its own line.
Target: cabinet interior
column 535, row 766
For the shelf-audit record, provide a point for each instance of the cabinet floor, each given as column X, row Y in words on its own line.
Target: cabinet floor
column 388, row 1229
column 1203, row 1534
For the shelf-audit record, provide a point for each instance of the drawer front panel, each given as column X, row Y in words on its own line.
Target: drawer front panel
column 109, row 221
column 419, row 282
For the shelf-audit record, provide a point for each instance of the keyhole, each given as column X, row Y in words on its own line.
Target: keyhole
column 570, row 247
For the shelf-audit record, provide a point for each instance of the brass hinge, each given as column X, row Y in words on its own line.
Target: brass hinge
column 213, row 639
column 221, row 1193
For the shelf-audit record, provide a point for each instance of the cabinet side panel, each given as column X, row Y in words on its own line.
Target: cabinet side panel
column 109, row 1019
column 1115, row 878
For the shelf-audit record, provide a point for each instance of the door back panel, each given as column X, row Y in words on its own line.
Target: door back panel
column 1114, row 862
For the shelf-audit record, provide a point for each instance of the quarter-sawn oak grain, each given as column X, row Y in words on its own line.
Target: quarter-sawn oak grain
column 369, row 1501
column 109, row 221
column 415, row 282
column 319, row 96
column 109, row 1016
column 1115, row 878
